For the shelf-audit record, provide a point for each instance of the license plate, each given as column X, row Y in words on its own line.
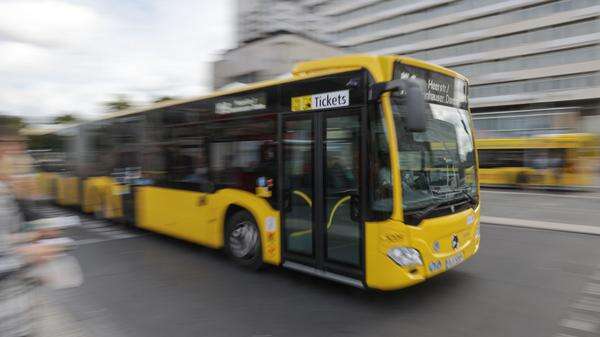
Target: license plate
column 454, row 260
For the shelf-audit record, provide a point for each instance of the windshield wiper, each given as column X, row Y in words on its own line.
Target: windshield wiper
column 422, row 213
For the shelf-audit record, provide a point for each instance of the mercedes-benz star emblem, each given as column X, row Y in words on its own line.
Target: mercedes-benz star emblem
column 454, row 241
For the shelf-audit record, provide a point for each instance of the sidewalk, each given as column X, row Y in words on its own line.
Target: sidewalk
column 555, row 226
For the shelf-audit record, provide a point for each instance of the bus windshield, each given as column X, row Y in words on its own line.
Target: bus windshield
column 437, row 166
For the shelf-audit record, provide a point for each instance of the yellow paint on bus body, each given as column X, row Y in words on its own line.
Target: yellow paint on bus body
column 502, row 175
column 47, row 184
column 93, row 190
column 103, row 196
column 113, row 200
column 67, row 191
column 581, row 151
column 301, row 103
column 384, row 274
column 200, row 217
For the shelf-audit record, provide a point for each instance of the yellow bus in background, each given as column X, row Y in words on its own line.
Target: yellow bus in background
column 565, row 161
column 360, row 169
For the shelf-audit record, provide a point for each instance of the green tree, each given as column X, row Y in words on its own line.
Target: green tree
column 13, row 122
column 65, row 119
column 118, row 103
column 164, row 99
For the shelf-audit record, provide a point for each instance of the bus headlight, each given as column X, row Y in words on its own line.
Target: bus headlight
column 405, row 256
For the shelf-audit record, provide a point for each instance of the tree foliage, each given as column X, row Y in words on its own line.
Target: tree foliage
column 164, row 99
column 13, row 122
column 118, row 103
column 65, row 119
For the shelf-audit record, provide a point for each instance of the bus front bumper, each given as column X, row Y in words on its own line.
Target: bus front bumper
column 438, row 251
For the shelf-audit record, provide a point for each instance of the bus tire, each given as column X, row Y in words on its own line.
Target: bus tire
column 522, row 180
column 99, row 209
column 99, row 213
column 242, row 240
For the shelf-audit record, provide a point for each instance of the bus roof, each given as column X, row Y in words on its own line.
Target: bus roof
column 380, row 66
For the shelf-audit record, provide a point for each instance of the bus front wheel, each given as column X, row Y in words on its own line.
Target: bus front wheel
column 242, row 240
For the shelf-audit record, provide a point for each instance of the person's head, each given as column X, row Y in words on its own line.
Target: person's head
column 11, row 143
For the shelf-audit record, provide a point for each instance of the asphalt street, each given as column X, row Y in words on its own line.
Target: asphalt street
column 523, row 282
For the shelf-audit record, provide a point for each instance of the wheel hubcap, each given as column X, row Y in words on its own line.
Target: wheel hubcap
column 243, row 239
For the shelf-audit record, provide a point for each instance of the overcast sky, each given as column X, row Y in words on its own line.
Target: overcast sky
column 59, row 56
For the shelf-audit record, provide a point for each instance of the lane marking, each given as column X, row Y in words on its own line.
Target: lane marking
column 587, row 304
column 555, row 226
column 84, row 242
column 103, row 228
column 551, row 195
column 124, row 236
column 592, row 289
column 95, row 224
column 114, row 233
column 584, row 314
column 89, row 241
column 579, row 325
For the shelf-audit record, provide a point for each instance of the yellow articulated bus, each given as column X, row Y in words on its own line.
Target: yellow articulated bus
column 360, row 169
column 563, row 161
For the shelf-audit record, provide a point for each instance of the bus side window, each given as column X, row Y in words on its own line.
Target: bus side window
column 176, row 155
column 502, row 158
column 380, row 176
column 241, row 151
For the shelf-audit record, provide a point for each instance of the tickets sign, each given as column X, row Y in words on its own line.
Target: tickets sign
column 327, row 100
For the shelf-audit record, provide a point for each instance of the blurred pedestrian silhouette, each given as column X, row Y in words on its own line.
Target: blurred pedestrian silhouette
column 19, row 249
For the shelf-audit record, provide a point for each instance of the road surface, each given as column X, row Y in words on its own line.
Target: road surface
column 523, row 282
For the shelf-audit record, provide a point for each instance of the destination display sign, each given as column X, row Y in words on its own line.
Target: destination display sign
column 250, row 102
column 439, row 88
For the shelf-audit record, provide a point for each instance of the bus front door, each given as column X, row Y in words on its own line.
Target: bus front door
column 321, row 164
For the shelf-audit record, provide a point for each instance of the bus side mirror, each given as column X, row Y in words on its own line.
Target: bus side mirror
column 416, row 120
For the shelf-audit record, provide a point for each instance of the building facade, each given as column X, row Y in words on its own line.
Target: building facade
column 268, row 57
column 532, row 64
column 257, row 19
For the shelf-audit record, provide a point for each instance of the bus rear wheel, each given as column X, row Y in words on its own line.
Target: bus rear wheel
column 522, row 180
column 99, row 209
column 242, row 240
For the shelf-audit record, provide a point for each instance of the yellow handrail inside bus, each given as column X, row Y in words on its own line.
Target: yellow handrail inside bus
column 330, row 220
column 303, row 196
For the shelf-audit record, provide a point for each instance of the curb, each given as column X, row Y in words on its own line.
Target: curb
column 554, row 226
